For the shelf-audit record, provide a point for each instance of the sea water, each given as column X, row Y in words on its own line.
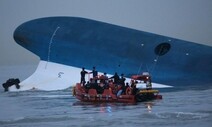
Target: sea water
column 178, row 108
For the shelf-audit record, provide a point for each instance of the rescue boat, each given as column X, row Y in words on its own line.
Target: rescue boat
column 110, row 93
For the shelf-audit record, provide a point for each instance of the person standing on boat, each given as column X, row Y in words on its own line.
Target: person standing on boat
column 95, row 72
column 83, row 72
column 116, row 78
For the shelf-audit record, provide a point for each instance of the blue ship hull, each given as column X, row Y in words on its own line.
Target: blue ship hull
column 80, row 42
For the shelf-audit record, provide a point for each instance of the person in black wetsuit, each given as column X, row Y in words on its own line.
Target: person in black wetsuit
column 134, row 88
column 122, row 80
column 115, row 77
column 95, row 72
column 83, row 72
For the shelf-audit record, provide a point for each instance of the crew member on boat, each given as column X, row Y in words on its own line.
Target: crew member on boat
column 115, row 77
column 82, row 73
column 122, row 80
column 149, row 84
column 133, row 87
column 95, row 72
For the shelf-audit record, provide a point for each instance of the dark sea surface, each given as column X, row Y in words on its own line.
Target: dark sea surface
column 178, row 108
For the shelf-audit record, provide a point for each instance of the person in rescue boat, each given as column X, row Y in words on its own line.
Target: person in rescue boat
column 93, row 83
column 82, row 73
column 122, row 80
column 133, row 86
column 128, row 90
column 122, row 83
column 103, row 78
column 87, row 86
column 111, row 86
column 120, row 90
column 116, row 78
column 148, row 84
column 100, row 88
column 94, row 72
column 103, row 84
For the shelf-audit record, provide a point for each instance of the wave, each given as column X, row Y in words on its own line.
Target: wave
column 182, row 115
column 20, row 120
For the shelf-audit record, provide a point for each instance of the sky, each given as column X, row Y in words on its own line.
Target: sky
column 189, row 20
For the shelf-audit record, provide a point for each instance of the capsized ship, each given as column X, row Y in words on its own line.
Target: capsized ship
column 66, row 44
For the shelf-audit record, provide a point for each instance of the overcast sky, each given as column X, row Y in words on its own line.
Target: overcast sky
column 189, row 20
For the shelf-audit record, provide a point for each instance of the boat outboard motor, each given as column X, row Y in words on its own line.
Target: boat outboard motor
column 11, row 82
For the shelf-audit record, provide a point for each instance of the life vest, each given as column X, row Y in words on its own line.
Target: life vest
column 128, row 91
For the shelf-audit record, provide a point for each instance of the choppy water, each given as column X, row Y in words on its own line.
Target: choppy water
column 60, row 108
column 186, row 108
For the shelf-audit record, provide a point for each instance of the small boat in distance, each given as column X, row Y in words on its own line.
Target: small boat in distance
column 102, row 89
